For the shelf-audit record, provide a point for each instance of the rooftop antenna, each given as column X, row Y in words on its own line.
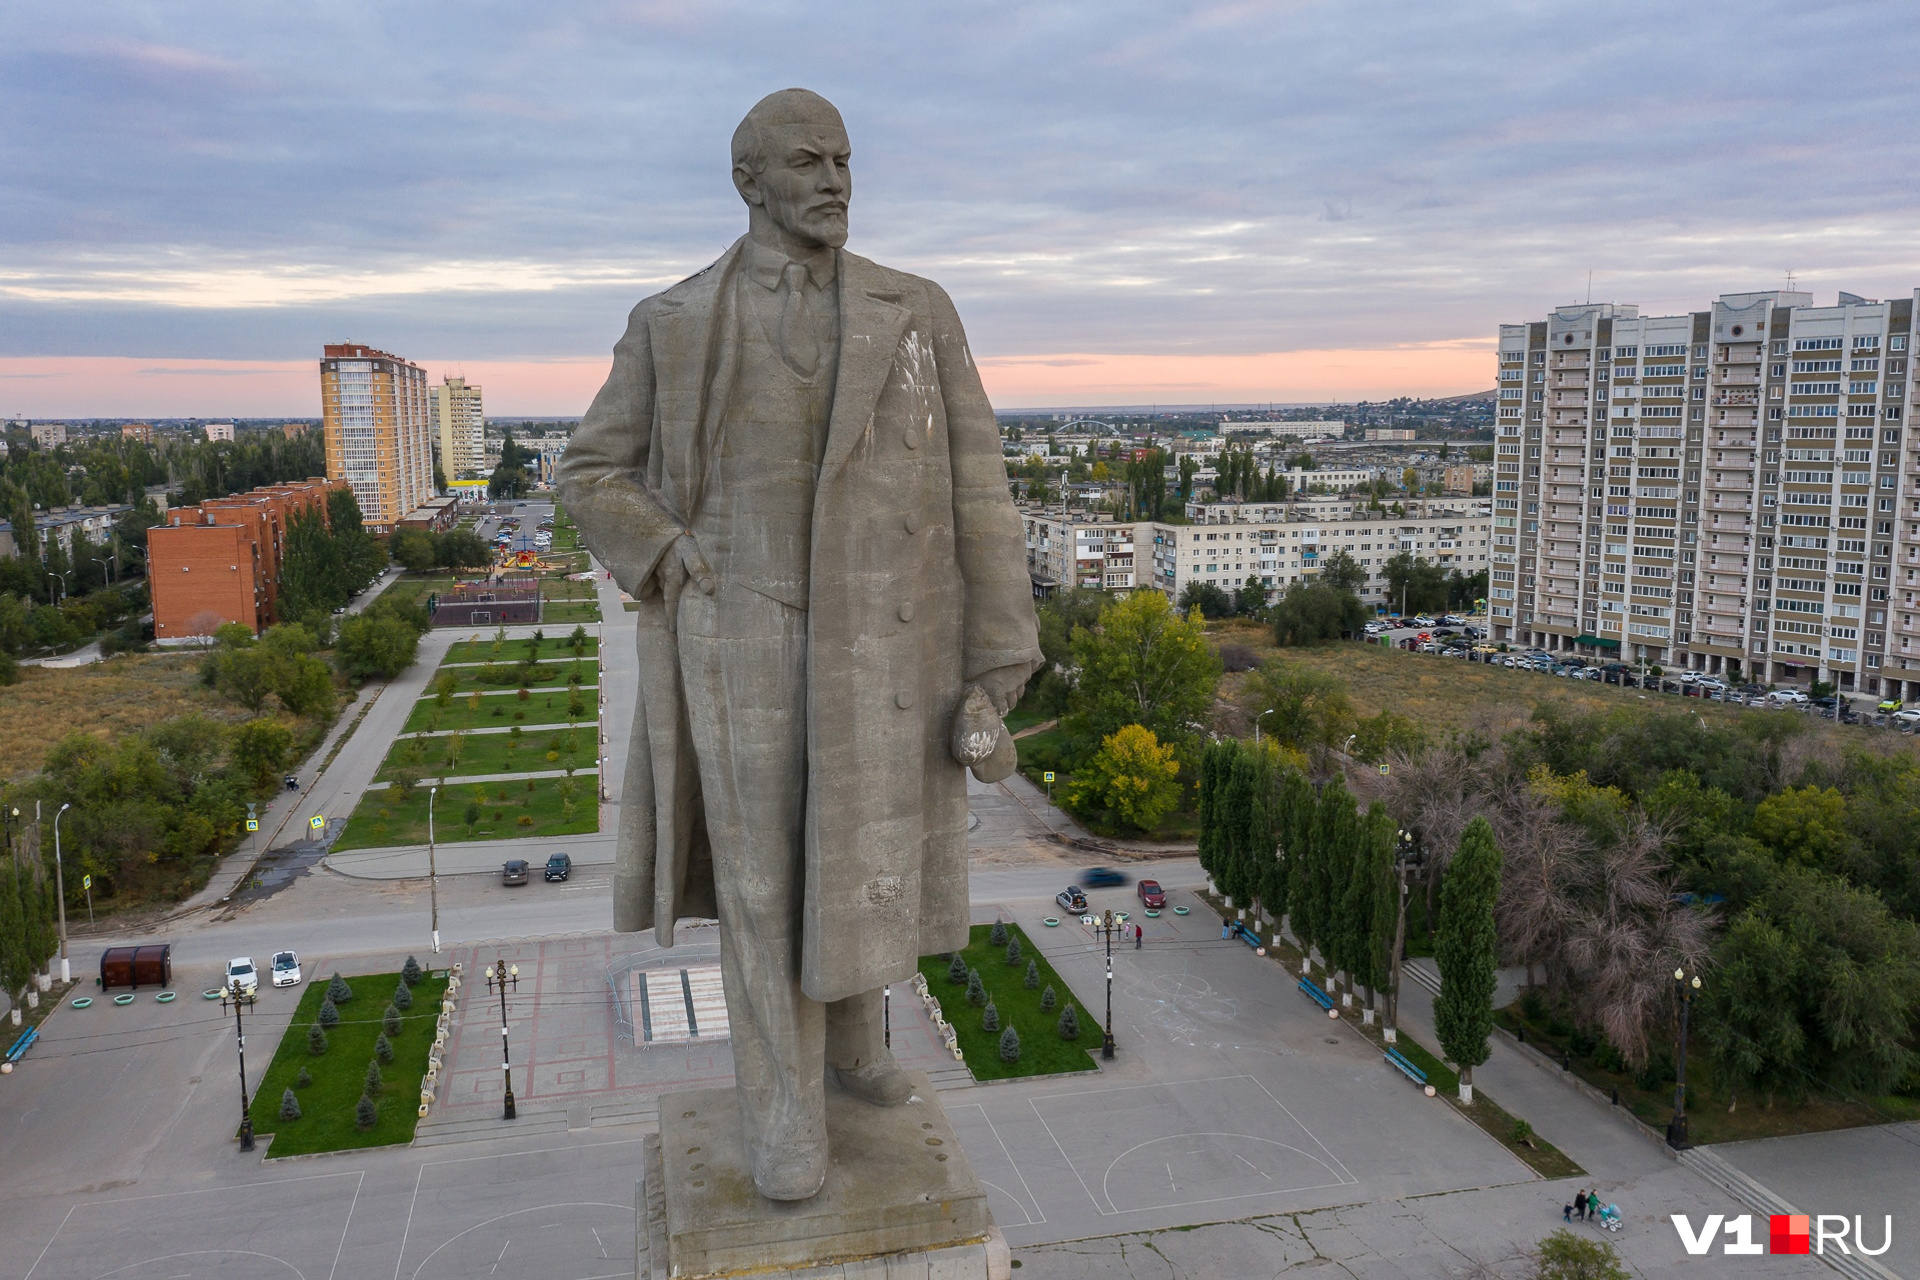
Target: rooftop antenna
column 1589, row 286
column 1789, row 279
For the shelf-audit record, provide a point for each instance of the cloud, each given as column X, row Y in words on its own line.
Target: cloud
column 501, row 182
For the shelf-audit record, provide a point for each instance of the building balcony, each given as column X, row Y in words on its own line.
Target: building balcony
column 1731, row 399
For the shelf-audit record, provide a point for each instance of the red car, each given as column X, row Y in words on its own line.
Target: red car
column 1152, row 895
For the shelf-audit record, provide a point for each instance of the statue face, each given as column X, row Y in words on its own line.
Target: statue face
column 806, row 184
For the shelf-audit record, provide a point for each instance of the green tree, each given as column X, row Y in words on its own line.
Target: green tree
column 1466, row 949
column 1807, row 824
column 1145, row 665
column 371, row 646
column 1299, row 706
column 1566, row 1256
column 366, row 1113
column 1414, row 584
column 289, row 1106
column 317, row 1039
column 414, row 549
column 1369, row 906
column 1132, row 777
column 337, row 990
column 1069, row 1024
column 1216, row 765
column 1311, row 612
column 1342, row 572
column 1209, row 599
column 1251, row 598
column 1009, row 1044
column 313, row 573
column 259, row 749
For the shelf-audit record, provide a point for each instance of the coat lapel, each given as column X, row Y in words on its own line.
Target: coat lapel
column 871, row 324
column 688, row 351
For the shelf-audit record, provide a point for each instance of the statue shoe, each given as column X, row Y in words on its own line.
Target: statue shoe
column 791, row 1170
column 883, row 1083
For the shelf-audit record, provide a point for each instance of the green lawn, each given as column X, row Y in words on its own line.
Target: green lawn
column 410, row 587
column 484, row 753
column 513, row 674
column 553, row 648
column 545, row 707
column 1042, row 1051
column 381, row 819
column 569, row 612
column 327, row 1121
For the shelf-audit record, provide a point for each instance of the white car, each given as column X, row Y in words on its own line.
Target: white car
column 286, row 969
column 1907, row 719
column 242, row 974
column 1788, row 695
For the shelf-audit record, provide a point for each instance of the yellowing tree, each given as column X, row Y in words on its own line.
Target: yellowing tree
column 1132, row 777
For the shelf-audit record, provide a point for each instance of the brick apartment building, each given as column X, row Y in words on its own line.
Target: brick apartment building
column 220, row 562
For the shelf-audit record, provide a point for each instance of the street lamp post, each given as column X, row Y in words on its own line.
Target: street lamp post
column 1107, row 926
column 1407, row 857
column 60, row 895
column 1256, row 725
column 234, row 997
column 433, row 873
column 64, row 593
column 500, row 975
column 1677, row 1127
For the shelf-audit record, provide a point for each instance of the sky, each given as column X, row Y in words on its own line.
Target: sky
column 1129, row 203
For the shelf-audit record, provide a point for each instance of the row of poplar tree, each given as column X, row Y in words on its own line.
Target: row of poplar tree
column 28, row 937
column 1269, row 838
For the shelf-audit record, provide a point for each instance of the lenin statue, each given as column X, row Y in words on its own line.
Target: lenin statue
column 794, row 470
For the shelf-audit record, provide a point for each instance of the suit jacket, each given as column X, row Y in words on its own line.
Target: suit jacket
column 918, row 584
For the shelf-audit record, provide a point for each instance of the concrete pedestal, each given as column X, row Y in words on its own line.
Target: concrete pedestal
column 900, row 1199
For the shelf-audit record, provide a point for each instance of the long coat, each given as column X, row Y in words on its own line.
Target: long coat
column 918, row 584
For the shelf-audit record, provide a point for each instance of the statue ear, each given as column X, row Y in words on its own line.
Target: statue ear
column 747, row 183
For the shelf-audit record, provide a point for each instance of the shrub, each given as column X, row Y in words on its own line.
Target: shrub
column 390, row 1021
column 329, row 1015
column 1133, row 777
column 1069, row 1023
column 976, row 989
column 1048, row 999
column 1566, row 1256
column 366, row 1113
column 411, row 973
column 998, row 935
column 1033, row 975
column 1520, row 1132
column 375, row 1081
column 338, row 991
column 1608, row 1058
column 317, row 1039
column 1009, row 1044
column 403, row 996
column 289, row 1106
column 1533, row 1005
column 1582, row 1042
column 303, row 1080
column 383, row 1050
column 1013, row 953
column 990, row 1018
column 526, row 819
column 957, row 969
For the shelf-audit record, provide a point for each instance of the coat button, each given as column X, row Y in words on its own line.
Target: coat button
column 906, row 612
column 903, row 699
column 913, row 522
column 912, row 440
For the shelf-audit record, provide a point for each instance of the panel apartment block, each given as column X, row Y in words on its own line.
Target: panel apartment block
column 461, row 427
column 221, row 561
column 376, row 414
column 1721, row 491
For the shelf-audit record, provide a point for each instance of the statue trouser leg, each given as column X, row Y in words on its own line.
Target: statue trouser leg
column 857, row 1051
column 744, row 659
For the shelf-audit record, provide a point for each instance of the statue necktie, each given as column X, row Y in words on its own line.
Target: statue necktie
column 797, row 343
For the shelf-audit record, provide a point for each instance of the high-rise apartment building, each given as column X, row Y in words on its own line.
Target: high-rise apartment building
column 376, row 416
column 1719, row 491
column 461, row 428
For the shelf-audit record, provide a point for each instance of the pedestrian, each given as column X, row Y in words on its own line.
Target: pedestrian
column 1566, row 1213
column 1139, row 935
column 1580, row 1205
column 1226, row 927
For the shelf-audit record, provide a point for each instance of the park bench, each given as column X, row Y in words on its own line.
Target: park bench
column 1248, row 936
column 21, row 1045
column 1315, row 994
column 1399, row 1062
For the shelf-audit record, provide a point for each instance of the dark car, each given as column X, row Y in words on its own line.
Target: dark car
column 1151, row 894
column 514, row 872
column 559, row 867
column 1103, row 878
column 1072, row 899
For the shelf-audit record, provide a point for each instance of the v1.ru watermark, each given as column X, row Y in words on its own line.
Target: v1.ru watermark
column 1786, row 1233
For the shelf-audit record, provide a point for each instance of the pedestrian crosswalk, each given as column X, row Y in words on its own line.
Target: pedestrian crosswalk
column 676, row 1005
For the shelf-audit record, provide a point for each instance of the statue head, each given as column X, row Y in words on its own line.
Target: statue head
column 790, row 165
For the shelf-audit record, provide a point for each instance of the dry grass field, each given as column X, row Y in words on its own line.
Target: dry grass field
column 108, row 699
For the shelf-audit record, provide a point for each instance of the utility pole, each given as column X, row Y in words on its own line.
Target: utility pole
column 433, row 874
column 235, row 996
column 1107, row 926
column 1391, row 1032
column 500, row 975
column 59, row 889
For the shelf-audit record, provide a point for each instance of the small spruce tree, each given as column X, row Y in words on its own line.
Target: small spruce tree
column 289, row 1106
column 374, row 1081
column 338, row 991
column 383, row 1050
column 998, row 935
column 1033, row 975
column 1069, row 1023
column 1048, row 999
column 390, row 1021
column 403, row 997
column 1013, row 953
column 329, row 1015
column 302, row 1080
column 316, row 1040
column 990, row 1018
column 366, row 1112
column 410, row 971
column 957, row 969
column 1009, row 1044
column 976, row 989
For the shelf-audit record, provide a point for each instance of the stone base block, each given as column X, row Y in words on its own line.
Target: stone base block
column 900, row 1199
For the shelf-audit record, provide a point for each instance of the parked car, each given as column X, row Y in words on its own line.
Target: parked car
column 242, row 974
column 1907, row 719
column 1889, row 705
column 286, row 969
column 1151, row 894
column 1791, row 697
column 514, row 872
column 559, row 867
column 1071, row 899
column 1103, row 878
